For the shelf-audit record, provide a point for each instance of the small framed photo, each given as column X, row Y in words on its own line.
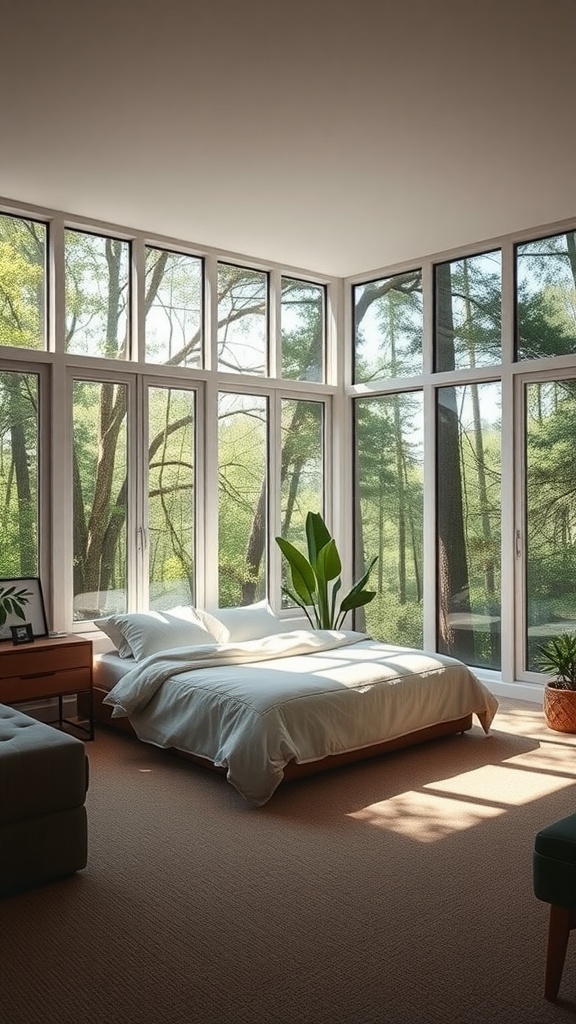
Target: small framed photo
column 22, row 604
column 23, row 634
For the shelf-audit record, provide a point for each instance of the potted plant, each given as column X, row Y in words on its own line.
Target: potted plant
column 558, row 656
column 316, row 579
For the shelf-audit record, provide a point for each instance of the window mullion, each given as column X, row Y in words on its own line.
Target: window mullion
column 138, row 302
column 56, row 287
column 137, row 497
column 274, row 324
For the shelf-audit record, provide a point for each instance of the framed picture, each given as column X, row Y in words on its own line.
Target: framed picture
column 23, row 634
column 22, row 604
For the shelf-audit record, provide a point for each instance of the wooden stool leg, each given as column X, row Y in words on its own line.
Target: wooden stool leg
column 558, row 931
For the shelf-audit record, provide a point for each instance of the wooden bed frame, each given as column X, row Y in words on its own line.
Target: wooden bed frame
column 293, row 770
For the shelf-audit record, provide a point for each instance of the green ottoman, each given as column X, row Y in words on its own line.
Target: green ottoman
column 554, row 874
column 43, row 783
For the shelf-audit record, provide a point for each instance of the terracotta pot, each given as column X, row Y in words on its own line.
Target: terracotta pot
column 560, row 709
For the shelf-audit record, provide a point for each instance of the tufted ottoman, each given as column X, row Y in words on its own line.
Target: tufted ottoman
column 43, row 783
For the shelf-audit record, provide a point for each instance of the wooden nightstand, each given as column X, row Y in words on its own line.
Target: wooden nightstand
column 48, row 667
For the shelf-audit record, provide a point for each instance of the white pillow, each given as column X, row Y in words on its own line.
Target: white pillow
column 108, row 626
column 140, row 634
column 251, row 622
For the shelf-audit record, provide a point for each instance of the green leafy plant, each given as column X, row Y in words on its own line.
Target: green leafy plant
column 558, row 656
column 316, row 579
column 12, row 602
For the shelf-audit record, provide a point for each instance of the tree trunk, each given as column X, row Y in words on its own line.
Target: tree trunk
column 452, row 556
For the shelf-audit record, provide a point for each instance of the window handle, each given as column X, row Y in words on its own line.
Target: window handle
column 518, row 544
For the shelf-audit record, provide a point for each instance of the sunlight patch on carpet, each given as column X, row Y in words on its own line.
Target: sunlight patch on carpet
column 452, row 805
column 425, row 817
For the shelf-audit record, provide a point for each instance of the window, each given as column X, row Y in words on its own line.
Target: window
column 388, row 327
column 243, row 498
column 97, row 295
column 141, row 473
column 302, row 470
column 389, row 436
column 19, row 463
column 550, row 504
column 113, row 491
column 242, row 320
column 23, row 250
column 174, row 283
column 546, row 281
column 100, row 504
column 469, row 513
column 468, row 312
column 303, row 330
column 171, row 496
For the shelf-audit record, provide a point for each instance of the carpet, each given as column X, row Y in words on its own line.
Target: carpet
column 395, row 890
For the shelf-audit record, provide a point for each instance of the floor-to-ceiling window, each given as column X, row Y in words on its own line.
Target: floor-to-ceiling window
column 545, row 348
column 167, row 411
column 163, row 416
column 23, row 391
column 464, row 393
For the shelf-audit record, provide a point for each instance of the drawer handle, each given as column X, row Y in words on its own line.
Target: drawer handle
column 37, row 675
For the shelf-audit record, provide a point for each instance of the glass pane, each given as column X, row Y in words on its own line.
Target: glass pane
column 18, row 474
column 550, row 513
column 469, row 505
column 22, row 282
column 97, row 295
column 242, row 517
column 171, row 496
column 302, row 330
column 389, row 475
column 546, row 315
column 388, row 327
column 173, row 308
column 242, row 319
column 302, row 473
column 99, row 498
column 469, row 312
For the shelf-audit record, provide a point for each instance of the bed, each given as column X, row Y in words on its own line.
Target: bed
column 281, row 704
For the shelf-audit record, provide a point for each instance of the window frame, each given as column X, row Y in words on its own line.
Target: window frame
column 59, row 368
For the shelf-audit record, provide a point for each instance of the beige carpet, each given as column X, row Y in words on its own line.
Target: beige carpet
column 398, row 890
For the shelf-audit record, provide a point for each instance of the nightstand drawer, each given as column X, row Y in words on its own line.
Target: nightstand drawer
column 45, row 684
column 44, row 659
column 46, row 668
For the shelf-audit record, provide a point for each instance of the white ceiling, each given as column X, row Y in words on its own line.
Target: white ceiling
column 333, row 136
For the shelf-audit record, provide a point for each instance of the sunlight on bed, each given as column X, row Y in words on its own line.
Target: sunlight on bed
column 452, row 805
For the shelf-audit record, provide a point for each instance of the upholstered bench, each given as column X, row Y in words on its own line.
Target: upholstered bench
column 43, row 783
column 554, row 870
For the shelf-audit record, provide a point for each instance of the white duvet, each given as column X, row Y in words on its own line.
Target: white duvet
column 252, row 707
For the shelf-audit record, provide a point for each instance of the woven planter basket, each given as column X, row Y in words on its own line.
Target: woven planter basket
column 560, row 709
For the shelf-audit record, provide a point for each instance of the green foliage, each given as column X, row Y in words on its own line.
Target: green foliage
column 12, row 602
column 22, row 282
column 550, row 495
column 395, row 622
column 546, row 296
column 558, row 656
column 242, row 483
column 18, row 474
column 97, row 294
column 316, row 580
